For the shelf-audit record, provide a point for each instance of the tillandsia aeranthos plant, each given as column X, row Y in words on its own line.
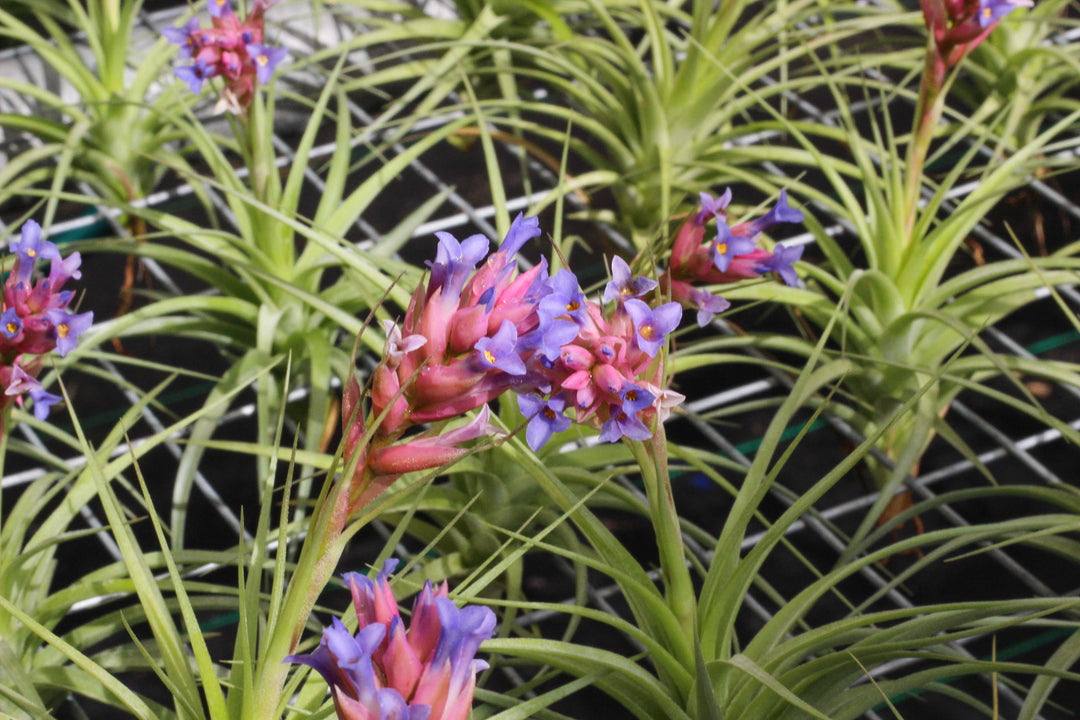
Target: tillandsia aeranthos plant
column 655, row 94
column 904, row 318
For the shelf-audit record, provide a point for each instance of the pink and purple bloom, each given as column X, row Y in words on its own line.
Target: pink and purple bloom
column 387, row 672
column 34, row 320
column 230, row 48
column 479, row 328
column 623, row 284
column 958, row 26
column 652, row 326
column 732, row 256
column 545, row 418
column 782, row 263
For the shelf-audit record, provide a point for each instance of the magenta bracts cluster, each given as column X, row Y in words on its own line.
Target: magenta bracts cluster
column 387, row 672
column 473, row 333
column 731, row 255
column 231, row 49
column 958, row 26
column 35, row 319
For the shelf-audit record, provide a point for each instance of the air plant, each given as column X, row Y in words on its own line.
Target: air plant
column 119, row 122
column 905, row 316
column 653, row 116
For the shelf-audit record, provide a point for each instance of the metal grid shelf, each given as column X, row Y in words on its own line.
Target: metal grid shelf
column 1001, row 445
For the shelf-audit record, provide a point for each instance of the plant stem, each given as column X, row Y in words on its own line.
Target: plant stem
column 928, row 113
column 678, row 586
column 318, row 559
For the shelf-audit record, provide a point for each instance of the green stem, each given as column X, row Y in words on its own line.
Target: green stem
column 318, row 560
column 678, row 586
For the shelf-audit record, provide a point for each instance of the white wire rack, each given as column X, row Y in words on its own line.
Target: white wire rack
column 1032, row 455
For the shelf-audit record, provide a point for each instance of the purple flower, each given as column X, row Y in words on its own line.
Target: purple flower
column 219, row 8
column 546, row 418
column 780, row 213
column 10, row 323
column 621, row 424
column 652, row 325
column 266, row 58
column 43, row 401
column 432, row 663
column 21, row 382
column 184, row 37
column 548, row 338
column 727, row 246
column 194, row 75
column 29, row 248
column 62, row 270
column 781, row 263
column 521, row 231
column 990, row 11
column 635, row 398
column 500, row 351
column 68, row 328
column 711, row 206
column 565, row 300
column 707, row 305
column 454, row 261
column 623, row 285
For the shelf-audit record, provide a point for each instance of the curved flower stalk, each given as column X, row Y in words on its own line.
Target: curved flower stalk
column 471, row 334
column 230, row 49
column 386, row 671
column 35, row 321
column 956, row 28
